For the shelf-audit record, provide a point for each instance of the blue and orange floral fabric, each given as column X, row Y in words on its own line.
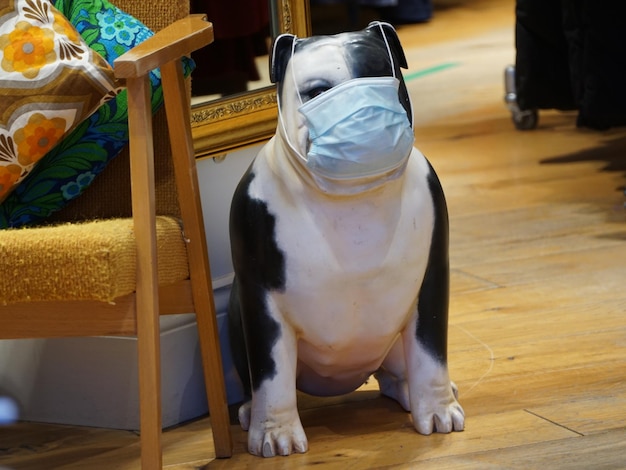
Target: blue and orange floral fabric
column 50, row 81
column 70, row 167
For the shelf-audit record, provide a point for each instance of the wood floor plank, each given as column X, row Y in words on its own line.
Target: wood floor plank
column 454, row 20
column 598, row 451
column 590, row 414
column 594, row 267
column 367, row 435
column 500, row 393
column 598, row 301
column 34, row 446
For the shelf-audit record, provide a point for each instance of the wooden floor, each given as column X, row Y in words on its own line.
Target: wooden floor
column 537, row 322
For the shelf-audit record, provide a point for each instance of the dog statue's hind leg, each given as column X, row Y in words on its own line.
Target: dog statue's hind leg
column 422, row 372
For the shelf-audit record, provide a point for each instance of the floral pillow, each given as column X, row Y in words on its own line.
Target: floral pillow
column 68, row 169
column 50, row 81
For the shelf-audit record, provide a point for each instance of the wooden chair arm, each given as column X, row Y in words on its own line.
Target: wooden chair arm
column 175, row 41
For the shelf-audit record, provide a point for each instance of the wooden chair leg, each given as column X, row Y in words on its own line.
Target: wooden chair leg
column 149, row 371
column 214, row 379
column 178, row 119
column 147, row 296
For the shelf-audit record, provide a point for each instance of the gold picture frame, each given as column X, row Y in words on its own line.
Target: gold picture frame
column 226, row 124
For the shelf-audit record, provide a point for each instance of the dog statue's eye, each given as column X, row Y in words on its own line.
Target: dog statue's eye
column 316, row 91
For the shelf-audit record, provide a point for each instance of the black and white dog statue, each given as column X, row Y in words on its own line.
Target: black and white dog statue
column 339, row 235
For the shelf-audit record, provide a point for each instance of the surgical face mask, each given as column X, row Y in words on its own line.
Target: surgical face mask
column 357, row 129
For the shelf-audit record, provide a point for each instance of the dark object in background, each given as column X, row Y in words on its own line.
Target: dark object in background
column 241, row 29
column 408, row 12
column 571, row 55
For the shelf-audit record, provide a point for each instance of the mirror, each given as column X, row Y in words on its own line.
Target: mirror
column 228, row 123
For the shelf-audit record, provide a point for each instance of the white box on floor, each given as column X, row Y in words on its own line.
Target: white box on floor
column 93, row 381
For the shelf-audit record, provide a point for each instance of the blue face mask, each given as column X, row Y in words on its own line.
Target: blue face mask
column 357, row 129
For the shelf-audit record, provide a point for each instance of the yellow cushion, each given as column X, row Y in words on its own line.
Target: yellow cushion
column 86, row 261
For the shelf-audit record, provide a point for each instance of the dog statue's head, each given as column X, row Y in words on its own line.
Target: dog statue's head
column 344, row 95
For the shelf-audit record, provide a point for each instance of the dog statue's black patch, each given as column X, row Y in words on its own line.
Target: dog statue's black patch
column 260, row 267
column 434, row 297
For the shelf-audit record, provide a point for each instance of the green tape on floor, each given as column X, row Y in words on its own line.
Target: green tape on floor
column 430, row 70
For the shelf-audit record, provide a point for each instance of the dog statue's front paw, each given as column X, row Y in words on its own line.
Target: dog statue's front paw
column 270, row 437
column 244, row 413
column 439, row 413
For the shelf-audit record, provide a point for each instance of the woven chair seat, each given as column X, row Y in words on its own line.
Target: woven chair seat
column 94, row 260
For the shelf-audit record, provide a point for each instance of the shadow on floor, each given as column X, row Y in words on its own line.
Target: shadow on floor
column 612, row 152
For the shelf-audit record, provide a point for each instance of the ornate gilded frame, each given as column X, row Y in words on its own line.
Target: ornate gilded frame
column 226, row 124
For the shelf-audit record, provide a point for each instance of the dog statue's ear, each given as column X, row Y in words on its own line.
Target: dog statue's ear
column 280, row 55
column 381, row 28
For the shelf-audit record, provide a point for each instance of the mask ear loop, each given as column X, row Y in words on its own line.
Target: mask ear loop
column 293, row 76
column 393, row 65
column 278, row 103
column 293, row 71
column 393, row 69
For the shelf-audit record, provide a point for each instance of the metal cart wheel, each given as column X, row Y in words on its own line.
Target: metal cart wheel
column 523, row 120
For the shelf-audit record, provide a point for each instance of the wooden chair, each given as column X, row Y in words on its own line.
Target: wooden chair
column 153, row 244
